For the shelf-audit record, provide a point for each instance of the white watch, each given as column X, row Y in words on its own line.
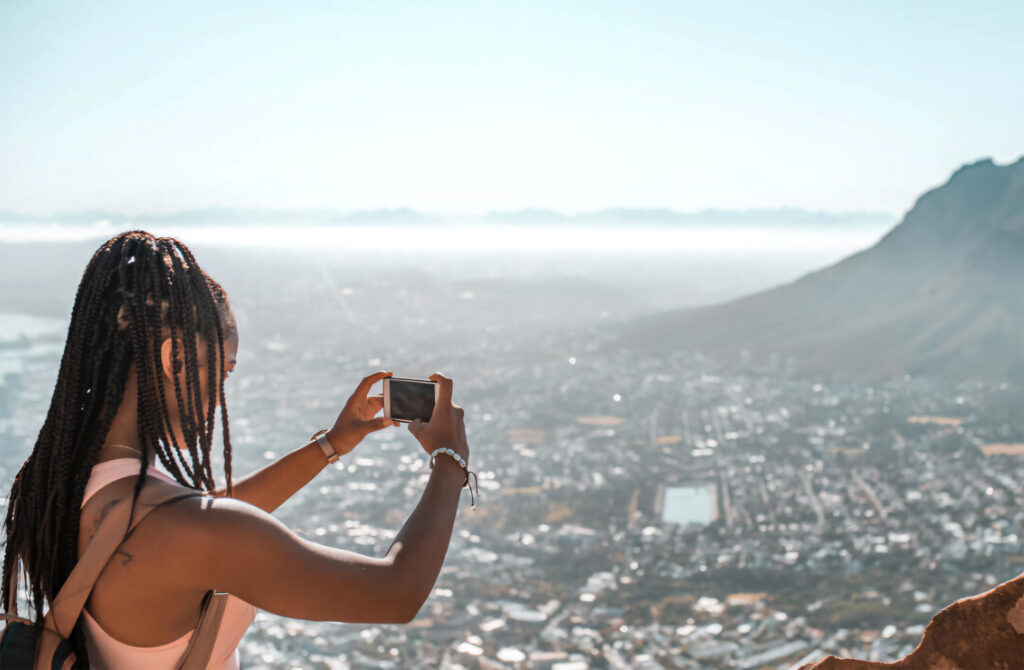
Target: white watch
column 329, row 452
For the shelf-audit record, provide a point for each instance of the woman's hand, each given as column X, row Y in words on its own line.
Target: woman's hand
column 445, row 428
column 356, row 420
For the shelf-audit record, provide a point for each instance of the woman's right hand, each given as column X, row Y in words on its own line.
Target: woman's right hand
column 445, row 428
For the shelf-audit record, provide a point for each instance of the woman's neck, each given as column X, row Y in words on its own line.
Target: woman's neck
column 123, row 435
column 113, row 451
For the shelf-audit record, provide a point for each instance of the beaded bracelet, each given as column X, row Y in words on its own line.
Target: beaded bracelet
column 462, row 464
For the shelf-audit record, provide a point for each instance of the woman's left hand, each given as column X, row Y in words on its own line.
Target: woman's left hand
column 356, row 420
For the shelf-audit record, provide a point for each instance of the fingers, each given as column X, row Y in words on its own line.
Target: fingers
column 374, row 425
column 415, row 427
column 364, row 386
column 444, row 393
column 379, row 423
column 376, row 403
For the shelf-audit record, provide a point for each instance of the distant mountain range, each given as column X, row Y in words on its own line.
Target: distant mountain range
column 226, row 215
column 941, row 294
column 404, row 215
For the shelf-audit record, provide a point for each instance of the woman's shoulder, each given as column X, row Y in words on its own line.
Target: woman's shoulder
column 212, row 518
column 103, row 497
column 198, row 526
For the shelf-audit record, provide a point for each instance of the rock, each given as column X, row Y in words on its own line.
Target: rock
column 982, row 632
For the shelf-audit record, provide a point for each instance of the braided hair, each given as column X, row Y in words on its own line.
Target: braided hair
column 136, row 291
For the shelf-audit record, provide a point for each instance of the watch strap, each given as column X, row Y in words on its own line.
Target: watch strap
column 329, row 452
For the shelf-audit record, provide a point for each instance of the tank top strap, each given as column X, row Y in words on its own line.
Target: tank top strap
column 119, row 468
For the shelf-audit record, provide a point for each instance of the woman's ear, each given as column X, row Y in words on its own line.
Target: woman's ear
column 170, row 367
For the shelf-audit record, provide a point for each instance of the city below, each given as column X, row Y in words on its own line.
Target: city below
column 634, row 511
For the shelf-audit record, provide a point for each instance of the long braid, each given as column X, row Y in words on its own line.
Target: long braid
column 182, row 313
column 209, row 290
column 205, row 431
column 141, row 323
column 202, row 430
column 213, row 295
column 171, row 459
column 192, row 397
column 135, row 292
column 82, row 398
column 43, row 477
column 184, row 400
column 224, row 417
column 38, row 465
column 200, row 287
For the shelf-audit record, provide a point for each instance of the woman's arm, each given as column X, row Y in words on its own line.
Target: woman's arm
column 248, row 553
column 269, row 487
column 244, row 551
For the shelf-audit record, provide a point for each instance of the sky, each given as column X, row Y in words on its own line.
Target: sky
column 480, row 106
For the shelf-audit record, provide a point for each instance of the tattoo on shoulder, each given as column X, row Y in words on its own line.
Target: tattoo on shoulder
column 126, row 556
column 102, row 514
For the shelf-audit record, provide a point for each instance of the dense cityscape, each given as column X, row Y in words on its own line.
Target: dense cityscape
column 635, row 511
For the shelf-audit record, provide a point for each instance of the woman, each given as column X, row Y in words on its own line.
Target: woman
column 151, row 340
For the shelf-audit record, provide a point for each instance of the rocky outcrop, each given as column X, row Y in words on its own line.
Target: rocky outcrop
column 984, row 632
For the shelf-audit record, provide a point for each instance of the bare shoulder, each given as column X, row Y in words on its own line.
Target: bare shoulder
column 199, row 525
column 215, row 521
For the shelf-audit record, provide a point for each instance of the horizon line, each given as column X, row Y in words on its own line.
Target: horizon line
column 99, row 214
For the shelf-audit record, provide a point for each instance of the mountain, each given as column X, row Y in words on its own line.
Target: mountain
column 941, row 294
column 229, row 216
column 717, row 217
column 778, row 216
column 526, row 216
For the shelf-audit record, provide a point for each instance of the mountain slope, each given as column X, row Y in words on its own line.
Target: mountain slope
column 941, row 294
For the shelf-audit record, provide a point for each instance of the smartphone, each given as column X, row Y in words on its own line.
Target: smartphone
column 406, row 400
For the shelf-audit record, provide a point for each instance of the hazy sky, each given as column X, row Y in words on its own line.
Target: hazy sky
column 474, row 106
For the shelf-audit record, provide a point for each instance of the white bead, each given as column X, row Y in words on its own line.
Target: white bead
column 445, row 450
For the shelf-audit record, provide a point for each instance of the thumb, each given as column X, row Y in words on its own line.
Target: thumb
column 378, row 423
column 416, row 427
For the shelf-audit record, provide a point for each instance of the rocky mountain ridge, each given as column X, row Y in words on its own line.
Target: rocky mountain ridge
column 941, row 294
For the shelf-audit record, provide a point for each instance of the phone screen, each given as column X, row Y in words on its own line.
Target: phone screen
column 411, row 399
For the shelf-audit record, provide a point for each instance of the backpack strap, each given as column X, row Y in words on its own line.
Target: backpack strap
column 70, row 600
column 67, row 606
column 200, row 646
column 12, row 588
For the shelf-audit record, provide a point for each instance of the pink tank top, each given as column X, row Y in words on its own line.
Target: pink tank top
column 106, row 652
